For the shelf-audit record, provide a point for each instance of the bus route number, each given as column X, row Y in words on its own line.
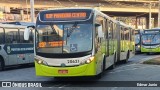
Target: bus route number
column 73, row 61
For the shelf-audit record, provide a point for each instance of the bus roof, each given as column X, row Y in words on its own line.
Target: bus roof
column 11, row 26
column 158, row 29
column 20, row 23
column 152, row 31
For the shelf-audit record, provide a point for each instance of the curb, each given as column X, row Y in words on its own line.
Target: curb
column 142, row 60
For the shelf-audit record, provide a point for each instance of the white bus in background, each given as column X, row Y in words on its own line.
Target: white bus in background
column 14, row 49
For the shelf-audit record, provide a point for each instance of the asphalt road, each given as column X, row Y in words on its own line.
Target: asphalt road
column 131, row 71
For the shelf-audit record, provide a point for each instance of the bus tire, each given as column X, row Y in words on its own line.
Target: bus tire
column 99, row 76
column 104, row 63
column 114, row 64
column 127, row 57
column 2, row 63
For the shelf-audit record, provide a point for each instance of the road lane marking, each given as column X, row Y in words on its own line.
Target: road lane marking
column 114, row 88
column 59, row 85
column 64, row 86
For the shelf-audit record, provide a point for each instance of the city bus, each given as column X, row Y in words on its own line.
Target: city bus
column 138, row 34
column 14, row 50
column 151, row 41
column 79, row 42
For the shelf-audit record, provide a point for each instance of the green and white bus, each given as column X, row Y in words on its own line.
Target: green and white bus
column 151, row 41
column 14, row 49
column 138, row 34
column 79, row 42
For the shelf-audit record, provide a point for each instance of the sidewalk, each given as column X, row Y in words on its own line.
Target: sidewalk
column 152, row 61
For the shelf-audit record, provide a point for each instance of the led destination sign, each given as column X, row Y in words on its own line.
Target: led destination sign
column 51, row 44
column 65, row 15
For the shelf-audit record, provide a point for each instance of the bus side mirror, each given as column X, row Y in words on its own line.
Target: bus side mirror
column 27, row 32
column 97, row 24
column 100, row 32
column 99, row 29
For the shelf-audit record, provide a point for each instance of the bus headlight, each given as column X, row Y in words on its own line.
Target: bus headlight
column 40, row 61
column 90, row 60
column 87, row 61
column 138, row 46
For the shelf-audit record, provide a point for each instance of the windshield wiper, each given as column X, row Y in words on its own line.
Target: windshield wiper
column 153, row 36
column 71, row 30
column 54, row 31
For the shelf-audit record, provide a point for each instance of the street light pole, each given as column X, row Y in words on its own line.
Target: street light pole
column 159, row 14
column 27, row 8
column 150, row 15
column 32, row 10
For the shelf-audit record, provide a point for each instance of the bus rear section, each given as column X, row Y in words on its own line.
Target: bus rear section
column 151, row 41
column 14, row 49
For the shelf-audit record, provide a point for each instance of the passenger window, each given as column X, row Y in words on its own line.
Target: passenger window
column 21, row 33
column 110, row 30
column 100, row 32
column 1, row 36
column 11, row 36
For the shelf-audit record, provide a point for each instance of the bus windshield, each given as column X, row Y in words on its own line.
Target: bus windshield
column 137, row 38
column 64, row 38
column 151, row 39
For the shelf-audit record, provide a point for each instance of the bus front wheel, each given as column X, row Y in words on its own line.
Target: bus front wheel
column 1, row 63
column 99, row 76
column 127, row 57
column 114, row 63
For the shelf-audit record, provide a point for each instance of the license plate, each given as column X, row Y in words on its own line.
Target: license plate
column 63, row 71
column 21, row 55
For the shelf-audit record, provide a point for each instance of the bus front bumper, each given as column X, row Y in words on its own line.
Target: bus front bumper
column 81, row 70
column 150, row 49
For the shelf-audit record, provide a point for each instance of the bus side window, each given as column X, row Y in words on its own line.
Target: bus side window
column 97, row 37
column 110, row 30
column 21, row 33
column 31, row 36
column 1, row 36
column 11, row 36
column 100, row 33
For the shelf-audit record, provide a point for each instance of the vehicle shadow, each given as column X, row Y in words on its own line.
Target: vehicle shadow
column 153, row 53
column 15, row 67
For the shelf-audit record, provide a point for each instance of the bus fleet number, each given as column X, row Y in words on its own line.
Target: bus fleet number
column 73, row 61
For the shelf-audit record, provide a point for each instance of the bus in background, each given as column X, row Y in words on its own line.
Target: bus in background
column 151, row 41
column 20, row 23
column 138, row 34
column 14, row 49
column 79, row 42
